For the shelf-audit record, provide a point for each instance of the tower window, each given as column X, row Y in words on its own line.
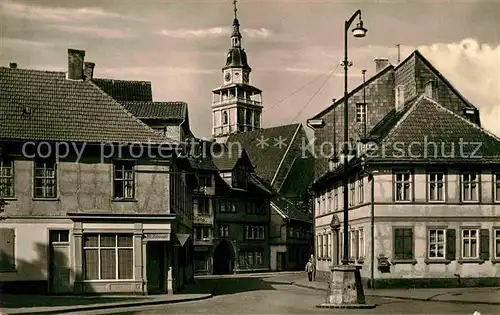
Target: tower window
column 225, row 118
column 249, row 117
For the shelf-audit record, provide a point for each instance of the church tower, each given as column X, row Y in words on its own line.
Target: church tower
column 236, row 105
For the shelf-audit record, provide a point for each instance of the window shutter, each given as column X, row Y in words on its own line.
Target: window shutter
column 7, row 250
column 451, row 244
column 484, row 243
column 398, row 244
column 408, row 244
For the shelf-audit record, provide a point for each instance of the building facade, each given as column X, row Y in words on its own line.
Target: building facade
column 232, row 214
column 423, row 186
column 96, row 217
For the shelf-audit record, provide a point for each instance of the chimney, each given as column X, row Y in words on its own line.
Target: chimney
column 381, row 63
column 75, row 64
column 88, row 70
column 13, row 65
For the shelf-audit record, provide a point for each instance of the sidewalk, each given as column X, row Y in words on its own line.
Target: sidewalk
column 482, row 295
column 41, row 304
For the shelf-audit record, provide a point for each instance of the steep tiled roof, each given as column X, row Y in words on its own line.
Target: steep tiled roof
column 124, row 90
column 225, row 159
column 421, row 57
column 289, row 211
column 301, row 175
column 354, row 91
column 156, row 110
column 265, row 158
column 43, row 105
column 429, row 131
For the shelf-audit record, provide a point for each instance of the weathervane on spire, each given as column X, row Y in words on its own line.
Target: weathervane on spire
column 235, row 8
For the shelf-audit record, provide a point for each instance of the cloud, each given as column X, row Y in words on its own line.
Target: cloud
column 22, row 43
column 214, row 32
column 34, row 12
column 124, row 72
column 109, row 33
column 474, row 70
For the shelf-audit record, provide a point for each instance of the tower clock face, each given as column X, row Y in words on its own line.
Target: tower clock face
column 227, row 77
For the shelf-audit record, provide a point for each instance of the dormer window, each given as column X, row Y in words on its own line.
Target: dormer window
column 399, row 96
column 361, row 113
column 430, row 90
column 225, row 118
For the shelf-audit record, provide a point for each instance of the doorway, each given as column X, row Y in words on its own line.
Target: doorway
column 59, row 265
column 155, row 254
column 281, row 261
column 223, row 258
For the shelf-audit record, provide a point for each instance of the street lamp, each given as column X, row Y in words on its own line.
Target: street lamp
column 359, row 31
column 345, row 289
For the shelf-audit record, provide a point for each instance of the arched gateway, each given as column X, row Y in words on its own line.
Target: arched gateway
column 224, row 258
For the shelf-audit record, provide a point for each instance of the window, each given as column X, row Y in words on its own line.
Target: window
column 201, row 206
column 323, row 202
column 226, row 206
column 45, row 179
column 403, row 244
column 59, row 236
column 202, row 233
column 256, row 120
column 250, row 258
column 225, row 118
column 361, row 113
column 329, row 245
column 341, row 245
column 436, row 187
column 496, row 235
column 254, row 233
column 224, row 230
column 336, row 198
column 400, row 96
column 430, row 89
column 470, row 187
column 352, row 245
column 352, row 188
column 470, row 243
column 402, row 186
column 325, row 245
column 361, row 190
column 7, row 248
column 258, row 258
column 318, row 246
column 361, row 244
column 124, row 180
column 330, row 208
column 318, row 206
column 496, row 186
column 205, row 180
column 437, row 243
column 108, row 256
column 248, row 117
column 6, row 178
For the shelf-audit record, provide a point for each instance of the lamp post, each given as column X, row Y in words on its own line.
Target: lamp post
column 359, row 31
column 345, row 289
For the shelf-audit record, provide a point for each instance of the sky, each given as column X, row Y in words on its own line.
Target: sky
column 294, row 47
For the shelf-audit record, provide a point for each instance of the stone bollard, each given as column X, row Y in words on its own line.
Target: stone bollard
column 476, row 313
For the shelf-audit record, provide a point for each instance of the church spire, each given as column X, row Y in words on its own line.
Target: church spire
column 236, row 36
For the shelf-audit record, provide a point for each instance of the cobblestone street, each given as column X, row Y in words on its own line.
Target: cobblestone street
column 269, row 296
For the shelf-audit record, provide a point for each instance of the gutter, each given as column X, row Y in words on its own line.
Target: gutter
column 371, row 179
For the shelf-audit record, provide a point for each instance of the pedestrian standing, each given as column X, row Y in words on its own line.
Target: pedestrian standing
column 313, row 261
column 309, row 270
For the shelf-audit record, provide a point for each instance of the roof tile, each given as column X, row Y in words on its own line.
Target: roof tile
column 64, row 110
